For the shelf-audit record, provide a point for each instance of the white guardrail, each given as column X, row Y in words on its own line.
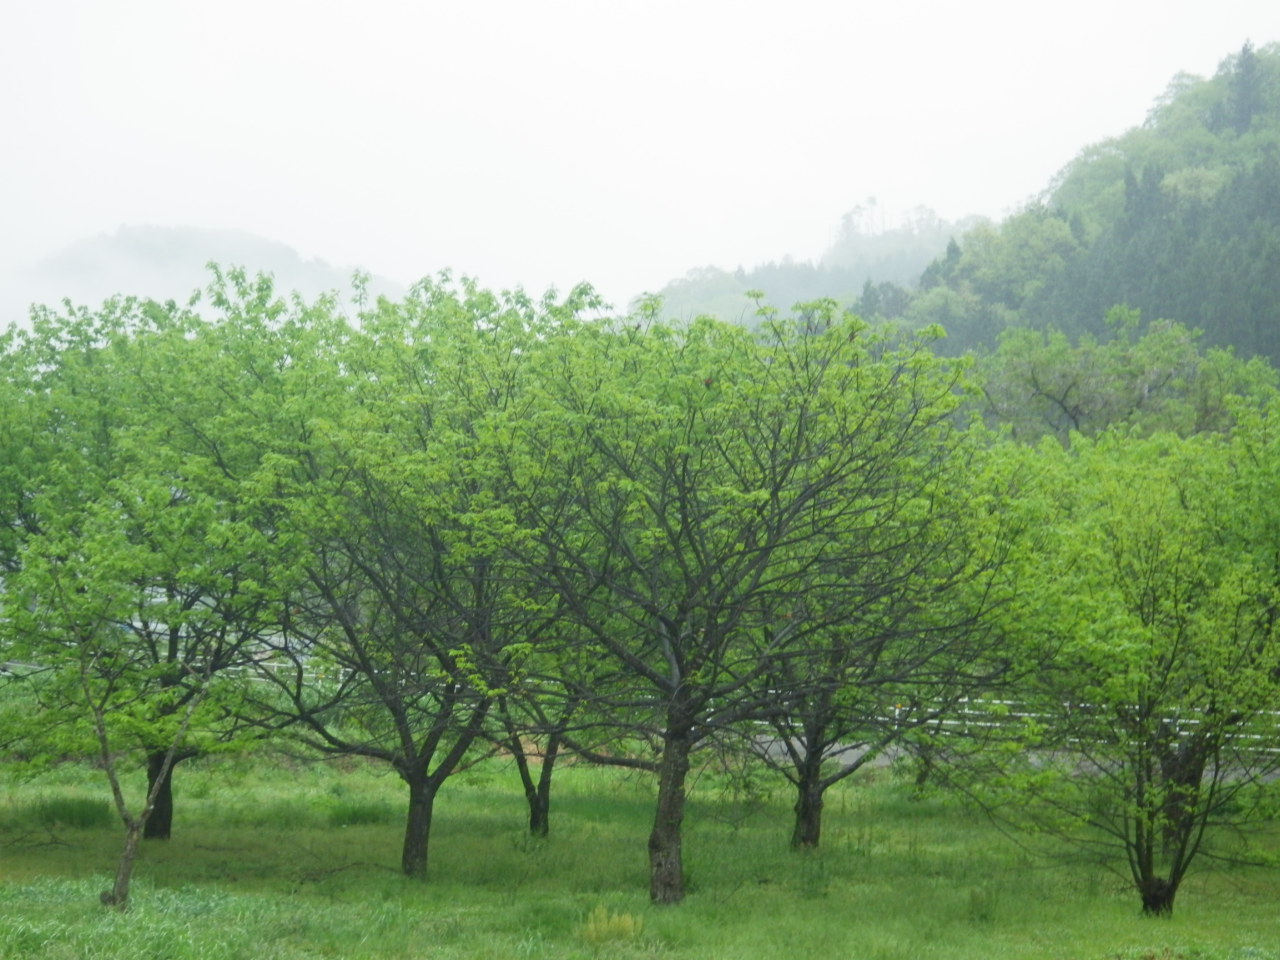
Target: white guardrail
column 974, row 716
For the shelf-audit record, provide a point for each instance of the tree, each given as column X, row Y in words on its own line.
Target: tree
column 1041, row 383
column 694, row 498
column 406, row 592
column 1245, row 98
column 1148, row 733
column 103, row 397
column 77, row 620
column 919, row 625
column 127, row 583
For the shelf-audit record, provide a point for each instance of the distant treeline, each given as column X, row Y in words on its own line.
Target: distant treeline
column 1178, row 218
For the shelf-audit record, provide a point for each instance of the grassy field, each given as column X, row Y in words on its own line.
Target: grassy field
column 298, row 861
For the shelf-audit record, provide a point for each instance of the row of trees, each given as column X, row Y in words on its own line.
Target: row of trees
column 462, row 520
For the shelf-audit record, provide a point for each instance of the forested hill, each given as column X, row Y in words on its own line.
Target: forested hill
column 864, row 259
column 1178, row 218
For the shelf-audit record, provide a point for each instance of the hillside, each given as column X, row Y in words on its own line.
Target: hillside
column 864, row 257
column 168, row 263
column 1178, row 218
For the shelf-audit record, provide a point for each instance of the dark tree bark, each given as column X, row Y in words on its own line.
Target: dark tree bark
column 540, row 808
column 1157, row 896
column 815, row 757
column 808, row 827
column 537, row 791
column 160, row 785
column 424, row 784
column 807, row 830
column 666, row 860
column 417, row 830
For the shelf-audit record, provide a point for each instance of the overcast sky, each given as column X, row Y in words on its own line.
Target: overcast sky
column 549, row 141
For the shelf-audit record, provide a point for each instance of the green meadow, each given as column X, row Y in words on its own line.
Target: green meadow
column 287, row 860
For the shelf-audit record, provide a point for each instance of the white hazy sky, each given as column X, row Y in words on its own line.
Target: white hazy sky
column 550, row 141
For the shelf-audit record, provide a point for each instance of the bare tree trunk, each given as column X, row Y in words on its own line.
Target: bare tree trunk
column 538, row 792
column 666, row 862
column 540, row 808
column 808, row 808
column 118, row 895
column 1157, row 896
column 537, row 818
column 417, row 830
column 160, row 786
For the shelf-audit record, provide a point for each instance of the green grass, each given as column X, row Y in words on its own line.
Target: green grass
column 52, row 812
column 298, row 861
